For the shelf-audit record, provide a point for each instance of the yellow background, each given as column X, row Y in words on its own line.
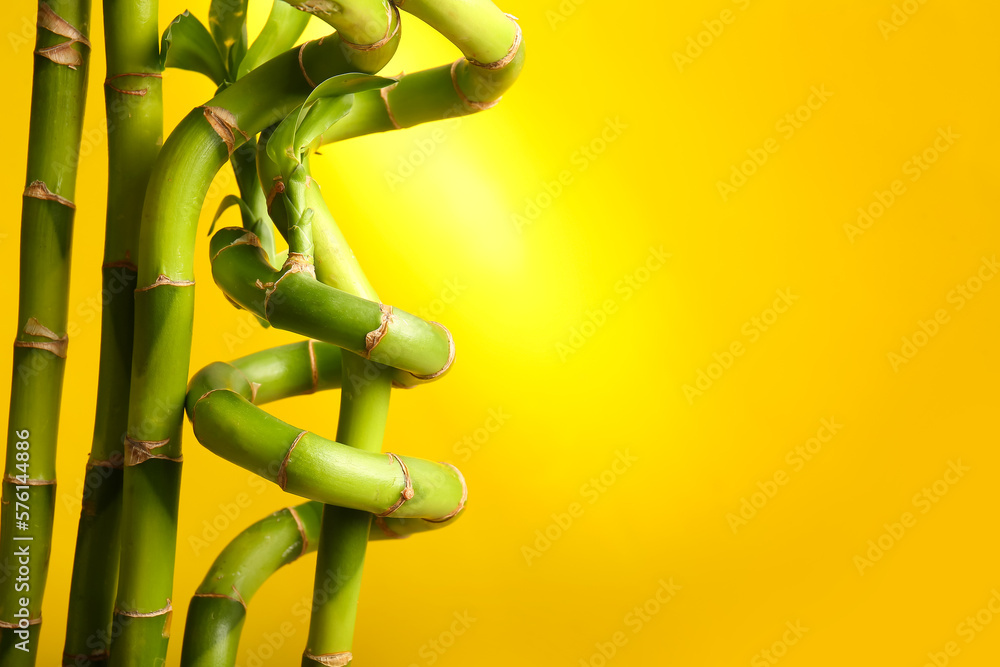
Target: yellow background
column 522, row 289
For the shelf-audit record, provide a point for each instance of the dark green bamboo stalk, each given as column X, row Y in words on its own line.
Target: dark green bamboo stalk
column 164, row 300
column 134, row 107
column 58, row 97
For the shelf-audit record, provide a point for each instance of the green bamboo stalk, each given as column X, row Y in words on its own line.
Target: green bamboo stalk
column 227, row 421
column 292, row 299
column 58, row 98
column 164, row 301
column 134, row 108
column 219, row 607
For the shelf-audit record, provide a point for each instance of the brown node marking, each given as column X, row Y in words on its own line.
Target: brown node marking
column 302, row 66
column 62, row 53
column 248, row 238
column 168, row 611
column 117, row 464
column 224, row 123
column 139, row 451
column 447, row 364
column 276, row 189
column 407, row 491
column 302, row 530
column 390, row 32
column 57, row 345
column 314, row 367
column 330, row 659
column 296, row 263
column 476, row 106
column 384, row 527
column 384, row 94
column 238, row 598
column 31, row 621
column 373, row 338
column 161, row 280
column 509, row 56
column 282, row 478
column 10, row 479
column 461, row 502
column 141, row 92
column 38, row 190
column 123, row 264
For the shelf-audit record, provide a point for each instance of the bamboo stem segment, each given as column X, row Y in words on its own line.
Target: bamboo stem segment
column 58, row 97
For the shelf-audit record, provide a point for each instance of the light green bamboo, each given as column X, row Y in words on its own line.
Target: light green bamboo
column 134, row 109
column 219, row 607
column 58, row 97
column 164, row 300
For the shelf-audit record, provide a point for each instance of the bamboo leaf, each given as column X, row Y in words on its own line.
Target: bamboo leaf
column 228, row 22
column 283, row 27
column 187, row 44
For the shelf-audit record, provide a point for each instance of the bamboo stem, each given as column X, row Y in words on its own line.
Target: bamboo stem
column 58, row 98
column 164, row 301
column 134, row 109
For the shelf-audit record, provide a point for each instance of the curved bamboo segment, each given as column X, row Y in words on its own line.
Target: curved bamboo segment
column 223, row 407
column 219, row 606
column 292, row 299
column 164, row 311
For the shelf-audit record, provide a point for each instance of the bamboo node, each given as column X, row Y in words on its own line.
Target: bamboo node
column 38, row 190
column 6, row 625
column 57, row 345
column 475, row 106
column 461, row 502
column 62, row 53
column 407, row 492
column 302, row 530
column 313, row 366
column 139, row 451
column 161, row 280
column 384, row 94
column 238, row 598
column 390, row 32
column 330, row 659
column 509, row 56
column 224, row 123
column 384, row 527
column 248, row 238
column 302, row 66
column 10, row 479
column 373, row 338
column 282, row 477
column 448, row 363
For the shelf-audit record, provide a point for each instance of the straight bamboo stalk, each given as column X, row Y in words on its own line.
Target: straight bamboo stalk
column 134, row 107
column 58, row 97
